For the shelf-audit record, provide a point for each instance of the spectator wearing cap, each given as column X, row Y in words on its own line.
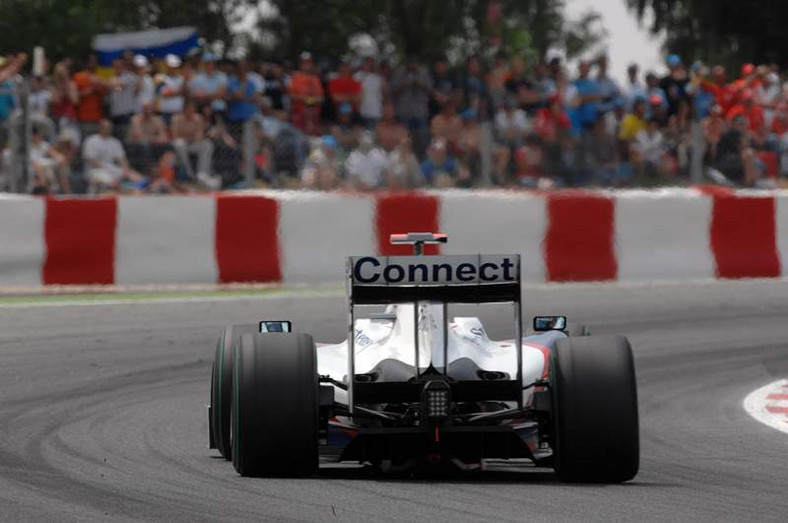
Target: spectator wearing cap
column 589, row 95
column 747, row 80
column 768, row 95
column 91, row 89
column 469, row 143
column 609, row 90
column 633, row 88
column 372, row 91
column 389, row 132
column 344, row 89
column 648, row 157
column 411, row 86
column 653, row 88
column 724, row 93
column 171, row 87
column 306, row 95
column 344, row 130
column 146, row 88
column 123, row 89
column 674, row 84
column 209, row 86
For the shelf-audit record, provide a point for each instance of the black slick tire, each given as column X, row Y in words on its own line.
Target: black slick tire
column 275, row 405
column 222, row 385
column 595, row 410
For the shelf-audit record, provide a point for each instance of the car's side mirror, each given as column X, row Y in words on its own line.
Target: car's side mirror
column 549, row 323
column 275, row 326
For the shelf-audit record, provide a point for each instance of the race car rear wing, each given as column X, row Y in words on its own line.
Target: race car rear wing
column 482, row 278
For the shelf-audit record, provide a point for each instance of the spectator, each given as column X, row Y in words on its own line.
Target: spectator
column 511, row 124
column 649, row 152
column 520, row 86
column 209, row 86
column 674, row 84
column 653, row 89
column 634, row 122
column 599, row 157
column 91, row 90
column 589, row 94
column 107, row 167
column 402, row 169
column 553, row 126
column 724, row 94
column 544, row 86
column 389, row 132
column 475, row 88
column 171, row 89
column 344, row 89
column 446, row 124
column 64, row 98
column 496, row 81
column 39, row 101
column 768, row 95
column 714, row 126
column 365, row 165
column 244, row 95
column 345, row 131
column 440, row 169
column 372, row 87
column 736, row 159
column 147, row 139
column 608, row 88
column 123, row 90
column 276, row 85
column 49, row 167
column 410, row 88
column 146, row 87
column 701, row 90
column 469, row 143
column 444, row 87
column 633, row 89
column 306, row 95
column 320, row 171
column 747, row 108
column 528, row 166
column 188, row 132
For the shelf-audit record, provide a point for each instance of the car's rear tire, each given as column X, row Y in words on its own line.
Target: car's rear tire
column 275, row 405
column 595, row 410
column 222, row 385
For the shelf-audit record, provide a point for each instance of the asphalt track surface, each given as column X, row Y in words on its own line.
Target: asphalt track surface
column 102, row 416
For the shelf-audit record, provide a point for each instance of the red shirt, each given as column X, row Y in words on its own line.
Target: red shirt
column 754, row 115
column 724, row 95
column 344, row 85
column 548, row 123
column 779, row 125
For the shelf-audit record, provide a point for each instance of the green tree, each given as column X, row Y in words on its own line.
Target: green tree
column 725, row 31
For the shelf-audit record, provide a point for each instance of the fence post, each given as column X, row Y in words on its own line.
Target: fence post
column 698, row 152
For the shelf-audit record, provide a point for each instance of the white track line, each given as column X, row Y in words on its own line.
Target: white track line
column 769, row 405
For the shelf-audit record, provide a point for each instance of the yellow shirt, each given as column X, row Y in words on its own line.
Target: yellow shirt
column 630, row 127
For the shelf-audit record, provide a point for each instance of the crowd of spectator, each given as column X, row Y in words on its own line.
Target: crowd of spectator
column 177, row 124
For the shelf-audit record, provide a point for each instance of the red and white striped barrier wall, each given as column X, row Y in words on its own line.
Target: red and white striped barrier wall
column 305, row 237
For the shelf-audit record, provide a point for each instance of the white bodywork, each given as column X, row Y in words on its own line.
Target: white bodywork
column 380, row 339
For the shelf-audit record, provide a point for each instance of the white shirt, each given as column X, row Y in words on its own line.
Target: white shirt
column 367, row 167
column 147, row 92
column 371, row 94
column 107, row 151
column 123, row 100
column 515, row 119
column 650, row 146
column 171, row 104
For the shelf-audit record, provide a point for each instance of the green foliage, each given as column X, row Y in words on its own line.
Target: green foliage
column 725, row 31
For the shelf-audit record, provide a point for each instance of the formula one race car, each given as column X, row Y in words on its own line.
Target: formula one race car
column 411, row 387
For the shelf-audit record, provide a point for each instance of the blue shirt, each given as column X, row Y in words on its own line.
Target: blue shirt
column 430, row 169
column 240, row 111
column 7, row 100
column 587, row 112
column 209, row 85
